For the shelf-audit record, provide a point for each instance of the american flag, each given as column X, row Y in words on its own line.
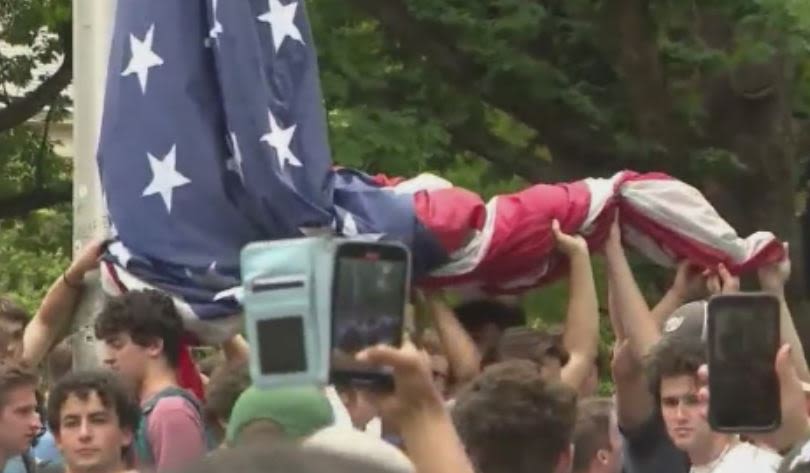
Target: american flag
column 214, row 135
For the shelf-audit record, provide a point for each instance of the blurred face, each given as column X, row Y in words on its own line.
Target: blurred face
column 11, row 334
column 680, row 408
column 360, row 406
column 90, row 437
column 19, row 420
column 487, row 337
column 126, row 357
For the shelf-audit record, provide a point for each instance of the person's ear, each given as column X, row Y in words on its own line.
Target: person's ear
column 127, row 439
column 602, row 456
column 155, row 347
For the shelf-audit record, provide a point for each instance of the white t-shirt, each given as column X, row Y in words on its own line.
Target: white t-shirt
column 742, row 457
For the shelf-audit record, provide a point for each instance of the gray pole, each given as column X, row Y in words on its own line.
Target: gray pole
column 92, row 32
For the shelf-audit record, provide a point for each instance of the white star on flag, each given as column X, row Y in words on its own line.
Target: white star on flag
column 165, row 177
column 282, row 22
column 280, row 139
column 216, row 30
column 121, row 253
column 234, row 164
column 349, row 230
column 143, row 58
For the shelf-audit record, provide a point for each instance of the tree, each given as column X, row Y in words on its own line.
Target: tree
column 32, row 176
column 713, row 92
column 34, row 243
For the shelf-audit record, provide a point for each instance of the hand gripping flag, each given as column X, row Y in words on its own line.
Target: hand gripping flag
column 214, row 135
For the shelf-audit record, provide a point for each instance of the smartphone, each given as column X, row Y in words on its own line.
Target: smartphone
column 743, row 338
column 370, row 286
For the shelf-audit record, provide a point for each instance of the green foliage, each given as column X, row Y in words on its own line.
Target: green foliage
column 34, row 252
column 532, row 75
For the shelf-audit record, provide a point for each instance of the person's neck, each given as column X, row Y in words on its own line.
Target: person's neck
column 711, row 450
column 156, row 380
column 4, row 458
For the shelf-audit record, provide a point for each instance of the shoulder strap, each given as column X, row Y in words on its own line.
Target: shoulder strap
column 28, row 462
column 143, row 447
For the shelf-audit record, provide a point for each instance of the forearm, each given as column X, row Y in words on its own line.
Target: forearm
column 615, row 317
column 791, row 336
column 581, row 337
column 635, row 316
column 52, row 319
column 433, row 444
column 459, row 348
column 665, row 307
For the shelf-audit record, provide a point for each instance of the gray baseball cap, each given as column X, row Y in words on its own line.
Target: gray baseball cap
column 687, row 322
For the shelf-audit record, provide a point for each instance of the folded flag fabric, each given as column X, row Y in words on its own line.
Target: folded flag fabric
column 214, row 135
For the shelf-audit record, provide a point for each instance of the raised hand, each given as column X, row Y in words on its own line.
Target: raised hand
column 568, row 244
column 85, row 261
column 721, row 281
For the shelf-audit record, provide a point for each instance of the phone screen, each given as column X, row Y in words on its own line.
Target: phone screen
column 368, row 304
column 743, row 341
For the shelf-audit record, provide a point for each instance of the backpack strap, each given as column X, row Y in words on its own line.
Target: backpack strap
column 143, row 447
column 28, row 462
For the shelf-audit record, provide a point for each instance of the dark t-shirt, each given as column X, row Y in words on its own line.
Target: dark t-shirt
column 648, row 449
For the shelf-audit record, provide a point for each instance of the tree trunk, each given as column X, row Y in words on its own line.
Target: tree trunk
column 762, row 194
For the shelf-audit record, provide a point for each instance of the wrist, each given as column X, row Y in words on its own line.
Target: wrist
column 676, row 295
column 73, row 277
column 417, row 417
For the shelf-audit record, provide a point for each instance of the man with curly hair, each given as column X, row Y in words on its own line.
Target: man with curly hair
column 142, row 336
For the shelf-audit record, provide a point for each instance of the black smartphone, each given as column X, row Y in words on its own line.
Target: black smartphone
column 369, row 293
column 743, row 338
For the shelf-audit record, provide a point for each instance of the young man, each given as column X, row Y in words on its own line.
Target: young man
column 93, row 418
column 13, row 320
column 597, row 441
column 19, row 419
column 142, row 333
column 673, row 371
column 513, row 419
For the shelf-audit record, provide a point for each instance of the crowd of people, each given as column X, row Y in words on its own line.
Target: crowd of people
column 476, row 390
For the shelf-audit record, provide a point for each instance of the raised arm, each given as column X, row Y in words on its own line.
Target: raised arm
column 459, row 347
column 55, row 314
column 581, row 337
column 641, row 330
column 772, row 279
column 689, row 285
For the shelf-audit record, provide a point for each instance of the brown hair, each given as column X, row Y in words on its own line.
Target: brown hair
column 525, row 343
column 14, row 375
column 10, row 311
column 513, row 421
column 145, row 316
column 592, row 431
column 671, row 357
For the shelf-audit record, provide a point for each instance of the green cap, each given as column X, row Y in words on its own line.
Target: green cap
column 298, row 411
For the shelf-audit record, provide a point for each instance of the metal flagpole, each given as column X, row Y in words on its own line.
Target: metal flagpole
column 92, row 33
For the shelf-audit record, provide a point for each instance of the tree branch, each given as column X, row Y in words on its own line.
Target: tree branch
column 22, row 204
column 22, row 110
column 565, row 132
